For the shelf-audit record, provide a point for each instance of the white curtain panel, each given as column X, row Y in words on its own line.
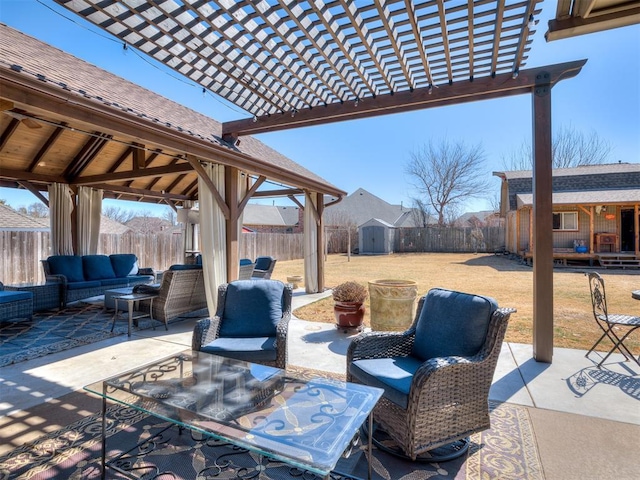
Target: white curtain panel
column 89, row 211
column 212, row 235
column 60, row 208
column 310, row 246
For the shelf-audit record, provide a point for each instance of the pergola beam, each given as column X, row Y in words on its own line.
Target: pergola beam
column 134, row 174
column 459, row 92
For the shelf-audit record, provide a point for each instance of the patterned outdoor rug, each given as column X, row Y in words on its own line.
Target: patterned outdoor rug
column 506, row 451
column 55, row 331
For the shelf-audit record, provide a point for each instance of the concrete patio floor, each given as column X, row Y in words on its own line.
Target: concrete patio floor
column 586, row 420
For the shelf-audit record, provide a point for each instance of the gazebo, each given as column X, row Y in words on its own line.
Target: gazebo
column 291, row 64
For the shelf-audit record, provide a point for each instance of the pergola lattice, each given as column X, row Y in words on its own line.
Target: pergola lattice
column 282, row 57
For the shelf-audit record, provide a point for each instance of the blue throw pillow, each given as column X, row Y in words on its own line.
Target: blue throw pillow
column 97, row 267
column 68, row 265
column 124, row 264
column 185, row 267
column 252, row 308
column 452, row 323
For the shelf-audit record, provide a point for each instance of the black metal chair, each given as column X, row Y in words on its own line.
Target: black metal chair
column 608, row 323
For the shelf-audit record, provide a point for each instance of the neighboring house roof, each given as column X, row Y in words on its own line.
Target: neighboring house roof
column 152, row 225
column 275, row 216
column 604, row 197
column 12, row 220
column 361, row 206
column 466, row 219
column 107, row 225
column 602, row 181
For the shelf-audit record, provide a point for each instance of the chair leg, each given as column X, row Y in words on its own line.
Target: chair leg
column 617, row 345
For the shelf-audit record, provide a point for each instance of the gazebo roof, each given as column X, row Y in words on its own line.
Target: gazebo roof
column 71, row 122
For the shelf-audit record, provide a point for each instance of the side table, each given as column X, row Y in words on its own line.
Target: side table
column 46, row 296
column 131, row 299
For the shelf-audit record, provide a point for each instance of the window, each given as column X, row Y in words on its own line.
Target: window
column 565, row 221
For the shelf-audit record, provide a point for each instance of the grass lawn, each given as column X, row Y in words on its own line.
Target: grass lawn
column 509, row 282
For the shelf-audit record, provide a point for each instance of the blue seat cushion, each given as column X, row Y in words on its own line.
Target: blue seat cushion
column 245, row 261
column 109, row 282
column 252, row 308
column 255, row 349
column 452, row 323
column 82, row 285
column 393, row 375
column 124, row 264
column 68, row 265
column 14, row 296
column 97, row 267
column 263, row 263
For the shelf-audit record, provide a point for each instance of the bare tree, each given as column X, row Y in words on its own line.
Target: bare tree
column 170, row 216
column 120, row 215
column 569, row 148
column 420, row 212
column 36, row 210
column 447, row 174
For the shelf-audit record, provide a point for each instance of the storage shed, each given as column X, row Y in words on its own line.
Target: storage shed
column 375, row 237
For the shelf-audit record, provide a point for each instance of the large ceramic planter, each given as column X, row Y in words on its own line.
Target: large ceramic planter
column 348, row 314
column 392, row 304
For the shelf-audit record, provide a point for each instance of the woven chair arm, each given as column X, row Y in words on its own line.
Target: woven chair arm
column 57, row 278
column 1, row 286
column 380, row 345
column 205, row 331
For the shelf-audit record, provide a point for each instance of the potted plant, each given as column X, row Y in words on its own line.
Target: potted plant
column 348, row 308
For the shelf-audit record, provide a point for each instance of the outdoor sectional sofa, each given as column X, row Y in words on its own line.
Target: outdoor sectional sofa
column 90, row 275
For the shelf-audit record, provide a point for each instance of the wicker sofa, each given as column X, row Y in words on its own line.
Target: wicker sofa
column 90, row 275
column 181, row 291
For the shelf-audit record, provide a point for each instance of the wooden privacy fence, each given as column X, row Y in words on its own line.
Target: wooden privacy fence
column 448, row 239
column 22, row 251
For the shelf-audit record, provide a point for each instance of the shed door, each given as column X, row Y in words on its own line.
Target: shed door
column 373, row 241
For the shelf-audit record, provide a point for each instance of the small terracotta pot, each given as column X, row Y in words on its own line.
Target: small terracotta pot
column 348, row 314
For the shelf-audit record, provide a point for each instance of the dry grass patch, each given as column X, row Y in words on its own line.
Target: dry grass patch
column 509, row 282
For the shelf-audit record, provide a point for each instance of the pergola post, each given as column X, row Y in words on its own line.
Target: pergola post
column 542, row 223
column 321, row 240
column 233, row 240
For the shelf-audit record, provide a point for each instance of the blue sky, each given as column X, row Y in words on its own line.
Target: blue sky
column 371, row 153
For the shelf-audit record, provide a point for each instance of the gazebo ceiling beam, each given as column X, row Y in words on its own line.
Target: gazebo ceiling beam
column 459, row 92
column 119, row 190
column 50, row 98
column 134, row 174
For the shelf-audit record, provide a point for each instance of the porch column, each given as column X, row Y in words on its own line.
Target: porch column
column 542, row 225
column 321, row 240
column 233, row 232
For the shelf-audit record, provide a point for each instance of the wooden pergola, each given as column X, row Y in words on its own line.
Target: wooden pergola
column 291, row 64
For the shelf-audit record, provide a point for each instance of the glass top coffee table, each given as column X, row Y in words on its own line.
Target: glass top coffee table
column 308, row 424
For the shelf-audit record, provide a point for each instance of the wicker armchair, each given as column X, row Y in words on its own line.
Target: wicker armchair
column 181, row 292
column 251, row 323
column 263, row 267
column 436, row 375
